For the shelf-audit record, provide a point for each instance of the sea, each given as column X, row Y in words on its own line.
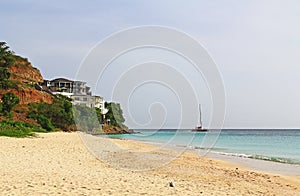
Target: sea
column 277, row 145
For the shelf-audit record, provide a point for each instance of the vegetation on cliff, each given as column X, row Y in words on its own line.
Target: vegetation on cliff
column 9, row 101
column 17, row 90
column 115, row 114
column 7, row 59
column 87, row 119
column 56, row 115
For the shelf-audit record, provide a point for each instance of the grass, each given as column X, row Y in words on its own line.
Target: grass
column 19, row 129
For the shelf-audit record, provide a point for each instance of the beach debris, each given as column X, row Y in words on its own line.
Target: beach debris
column 171, row 184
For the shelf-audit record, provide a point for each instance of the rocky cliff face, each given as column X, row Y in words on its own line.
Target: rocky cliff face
column 108, row 129
column 23, row 72
column 25, row 77
column 32, row 96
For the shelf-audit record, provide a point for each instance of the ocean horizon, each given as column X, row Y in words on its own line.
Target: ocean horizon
column 276, row 145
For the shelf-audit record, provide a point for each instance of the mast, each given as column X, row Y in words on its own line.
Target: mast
column 200, row 115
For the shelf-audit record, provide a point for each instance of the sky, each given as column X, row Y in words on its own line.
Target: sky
column 255, row 45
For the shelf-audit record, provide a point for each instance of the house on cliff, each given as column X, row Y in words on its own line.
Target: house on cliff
column 78, row 91
column 66, row 87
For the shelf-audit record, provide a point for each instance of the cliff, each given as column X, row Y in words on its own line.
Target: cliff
column 22, row 82
column 24, row 77
column 24, row 72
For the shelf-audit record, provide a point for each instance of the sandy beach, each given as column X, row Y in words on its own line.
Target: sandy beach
column 61, row 163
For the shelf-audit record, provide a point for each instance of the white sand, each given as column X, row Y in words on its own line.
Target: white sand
column 59, row 163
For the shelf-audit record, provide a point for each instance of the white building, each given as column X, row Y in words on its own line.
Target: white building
column 88, row 100
column 78, row 91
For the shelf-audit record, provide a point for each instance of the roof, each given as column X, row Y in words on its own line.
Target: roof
column 61, row 80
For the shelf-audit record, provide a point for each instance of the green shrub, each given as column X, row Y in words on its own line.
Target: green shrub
column 45, row 123
column 18, row 129
column 4, row 76
column 59, row 113
column 9, row 100
column 115, row 114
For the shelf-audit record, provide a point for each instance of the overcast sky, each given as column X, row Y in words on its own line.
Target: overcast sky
column 256, row 45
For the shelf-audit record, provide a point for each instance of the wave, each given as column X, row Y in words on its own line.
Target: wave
column 276, row 159
column 261, row 157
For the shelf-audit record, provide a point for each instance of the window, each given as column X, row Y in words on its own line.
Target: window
column 84, row 99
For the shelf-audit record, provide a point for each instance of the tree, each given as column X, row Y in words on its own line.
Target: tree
column 9, row 100
column 59, row 113
column 7, row 57
column 115, row 114
column 4, row 73
column 4, row 76
column 99, row 115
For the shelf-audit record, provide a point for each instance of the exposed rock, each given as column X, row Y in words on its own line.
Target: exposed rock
column 108, row 129
column 25, row 77
column 32, row 96
column 23, row 72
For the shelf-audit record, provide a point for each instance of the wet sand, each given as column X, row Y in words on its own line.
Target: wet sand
column 260, row 165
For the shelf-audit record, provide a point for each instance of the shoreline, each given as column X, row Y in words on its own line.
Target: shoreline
column 60, row 163
column 253, row 164
column 259, row 165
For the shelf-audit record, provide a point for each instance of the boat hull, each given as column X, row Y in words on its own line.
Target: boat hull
column 198, row 129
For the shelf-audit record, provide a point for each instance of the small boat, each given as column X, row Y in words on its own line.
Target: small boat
column 200, row 128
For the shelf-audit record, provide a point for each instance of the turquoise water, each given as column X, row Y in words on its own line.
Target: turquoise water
column 272, row 145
